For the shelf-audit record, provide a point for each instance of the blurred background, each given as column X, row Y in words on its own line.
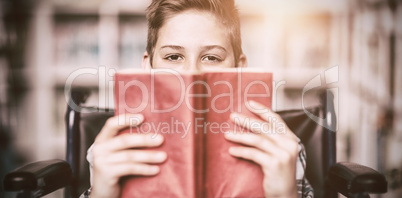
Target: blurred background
column 352, row 46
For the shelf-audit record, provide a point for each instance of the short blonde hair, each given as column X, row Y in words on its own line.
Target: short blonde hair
column 161, row 10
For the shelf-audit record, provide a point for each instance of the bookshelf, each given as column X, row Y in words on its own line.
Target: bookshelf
column 297, row 43
column 87, row 40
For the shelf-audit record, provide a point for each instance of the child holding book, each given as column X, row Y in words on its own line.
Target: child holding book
column 194, row 35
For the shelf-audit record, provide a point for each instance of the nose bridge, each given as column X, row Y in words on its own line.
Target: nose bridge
column 192, row 63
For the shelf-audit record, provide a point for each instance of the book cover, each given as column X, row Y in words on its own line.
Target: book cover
column 192, row 112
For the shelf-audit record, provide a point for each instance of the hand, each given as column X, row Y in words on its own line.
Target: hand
column 114, row 155
column 273, row 146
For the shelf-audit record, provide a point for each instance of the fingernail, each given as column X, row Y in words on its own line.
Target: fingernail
column 253, row 104
column 232, row 150
column 158, row 138
column 229, row 135
column 140, row 117
column 135, row 119
column 161, row 155
column 234, row 115
column 154, row 169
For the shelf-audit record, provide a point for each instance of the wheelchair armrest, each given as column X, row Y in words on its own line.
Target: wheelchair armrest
column 350, row 178
column 41, row 177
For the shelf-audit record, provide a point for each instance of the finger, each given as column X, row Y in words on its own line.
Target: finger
column 261, row 127
column 254, row 140
column 252, row 154
column 128, row 141
column 115, row 124
column 120, row 170
column 137, row 156
column 254, row 125
column 263, row 112
column 278, row 125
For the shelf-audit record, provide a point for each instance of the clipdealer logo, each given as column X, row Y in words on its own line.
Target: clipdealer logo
column 329, row 79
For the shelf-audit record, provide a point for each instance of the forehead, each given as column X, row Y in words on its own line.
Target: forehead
column 193, row 27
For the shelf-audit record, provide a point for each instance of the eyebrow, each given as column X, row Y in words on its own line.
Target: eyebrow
column 205, row 48
column 209, row 47
column 175, row 47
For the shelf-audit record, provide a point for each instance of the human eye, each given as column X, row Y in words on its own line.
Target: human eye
column 211, row 59
column 174, row 57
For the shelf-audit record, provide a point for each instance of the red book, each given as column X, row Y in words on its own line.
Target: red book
column 192, row 112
